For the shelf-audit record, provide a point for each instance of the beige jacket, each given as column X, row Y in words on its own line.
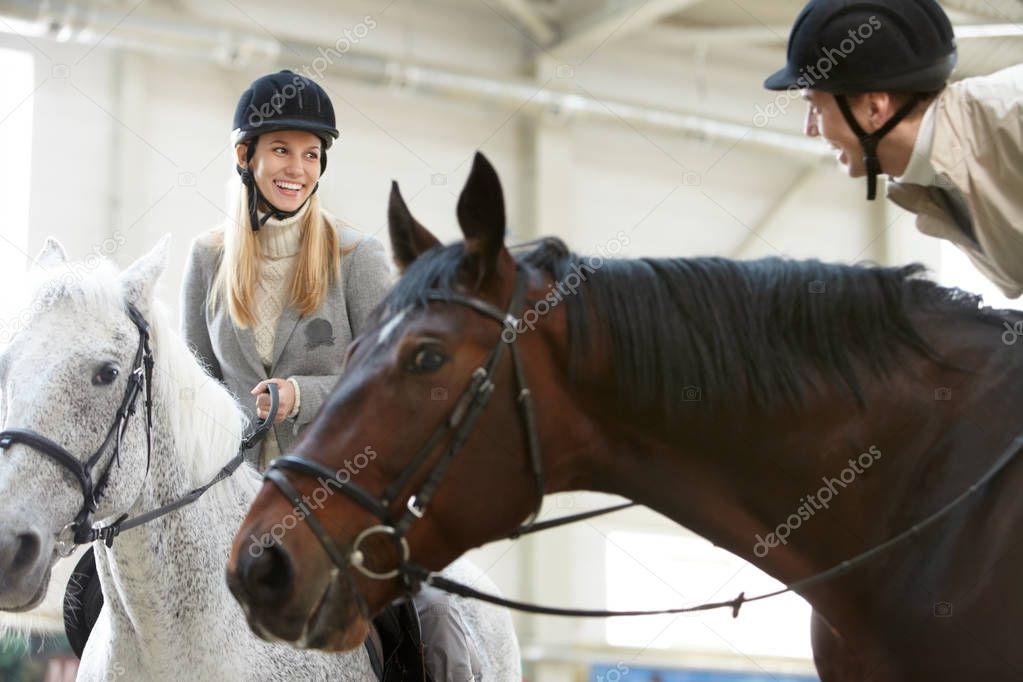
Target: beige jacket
column 977, row 149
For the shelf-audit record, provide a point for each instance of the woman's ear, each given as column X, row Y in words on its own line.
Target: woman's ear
column 241, row 154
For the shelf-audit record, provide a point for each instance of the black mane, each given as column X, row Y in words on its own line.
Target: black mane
column 726, row 333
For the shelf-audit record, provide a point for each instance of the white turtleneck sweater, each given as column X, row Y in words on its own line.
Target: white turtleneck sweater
column 279, row 243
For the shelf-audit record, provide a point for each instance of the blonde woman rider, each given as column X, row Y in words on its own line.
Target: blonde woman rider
column 277, row 293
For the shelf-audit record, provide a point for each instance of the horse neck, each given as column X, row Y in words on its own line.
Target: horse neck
column 173, row 565
column 736, row 477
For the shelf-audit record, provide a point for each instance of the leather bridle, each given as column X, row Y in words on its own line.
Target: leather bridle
column 458, row 426
column 80, row 531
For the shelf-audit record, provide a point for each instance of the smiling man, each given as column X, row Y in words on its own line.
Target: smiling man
column 875, row 77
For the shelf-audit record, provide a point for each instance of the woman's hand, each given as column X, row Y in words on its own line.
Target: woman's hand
column 286, row 404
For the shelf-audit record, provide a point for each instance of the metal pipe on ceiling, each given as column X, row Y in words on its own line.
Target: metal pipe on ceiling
column 169, row 36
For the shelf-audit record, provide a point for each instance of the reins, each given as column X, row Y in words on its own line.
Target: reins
column 109, row 532
column 440, row 582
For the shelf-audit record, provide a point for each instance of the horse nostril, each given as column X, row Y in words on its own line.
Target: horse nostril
column 268, row 576
column 28, row 547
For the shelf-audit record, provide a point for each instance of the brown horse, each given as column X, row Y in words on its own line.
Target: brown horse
column 794, row 413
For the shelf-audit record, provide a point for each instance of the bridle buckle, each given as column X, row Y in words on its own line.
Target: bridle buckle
column 357, row 558
column 413, row 506
column 65, row 544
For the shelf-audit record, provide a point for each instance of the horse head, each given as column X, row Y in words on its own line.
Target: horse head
column 64, row 375
column 406, row 396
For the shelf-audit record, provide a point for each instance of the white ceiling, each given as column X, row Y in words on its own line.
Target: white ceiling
column 723, row 26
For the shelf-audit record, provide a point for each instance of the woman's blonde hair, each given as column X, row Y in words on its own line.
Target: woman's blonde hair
column 318, row 267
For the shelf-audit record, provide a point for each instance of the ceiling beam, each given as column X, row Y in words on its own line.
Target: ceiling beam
column 614, row 19
column 685, row 37
column 529, row 20
column 998, row 10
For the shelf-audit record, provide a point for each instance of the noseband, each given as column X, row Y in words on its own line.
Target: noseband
column 80, row 531
column 458, row 425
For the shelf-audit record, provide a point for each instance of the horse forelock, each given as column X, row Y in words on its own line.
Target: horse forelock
column 436, row 270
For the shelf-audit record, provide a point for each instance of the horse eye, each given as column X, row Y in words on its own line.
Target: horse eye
column 427, row 360
column 106, row 375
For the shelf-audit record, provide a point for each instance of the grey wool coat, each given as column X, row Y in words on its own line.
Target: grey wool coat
column 309, row 349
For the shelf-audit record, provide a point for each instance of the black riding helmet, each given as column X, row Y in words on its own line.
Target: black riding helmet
column 281, row 101
column 849, row 47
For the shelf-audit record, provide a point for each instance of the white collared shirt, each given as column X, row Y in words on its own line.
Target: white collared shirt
column 920, row 171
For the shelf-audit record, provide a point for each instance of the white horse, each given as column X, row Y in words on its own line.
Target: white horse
column 168, row 614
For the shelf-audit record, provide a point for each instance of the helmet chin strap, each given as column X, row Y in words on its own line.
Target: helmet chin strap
column 256, row 196
column 870, row 141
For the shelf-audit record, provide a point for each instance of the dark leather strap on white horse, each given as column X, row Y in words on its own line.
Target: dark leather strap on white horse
column 111, row 531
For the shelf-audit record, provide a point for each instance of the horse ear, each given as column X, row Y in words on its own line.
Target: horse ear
column 140, row 277
column 409, row 238
column 481, row 216
column 52, row 255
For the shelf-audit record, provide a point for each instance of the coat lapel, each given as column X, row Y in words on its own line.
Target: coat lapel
column 285, row 328
column 247, row 343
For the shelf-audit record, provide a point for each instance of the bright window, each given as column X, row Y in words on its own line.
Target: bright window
column 15, row 171
column 958, row 271
column 654, row 571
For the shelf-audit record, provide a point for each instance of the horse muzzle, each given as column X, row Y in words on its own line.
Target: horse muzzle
column 281, row 607
column 25, row 561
